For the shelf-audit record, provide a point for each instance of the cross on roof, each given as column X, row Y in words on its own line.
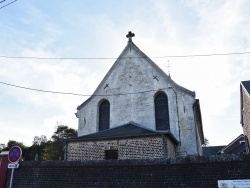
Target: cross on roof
column 130, row 35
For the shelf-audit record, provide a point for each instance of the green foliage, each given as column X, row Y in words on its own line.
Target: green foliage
column 206, row 142
column 54, row 151
column 55, row 148
column 63, row 132
column 12, row 143
column 37, row 149
column 42, row 148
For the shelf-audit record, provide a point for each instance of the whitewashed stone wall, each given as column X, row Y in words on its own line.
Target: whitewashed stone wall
column 132, row 148
column 136, row 75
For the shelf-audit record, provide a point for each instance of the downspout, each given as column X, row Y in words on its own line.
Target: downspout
column 177, row 110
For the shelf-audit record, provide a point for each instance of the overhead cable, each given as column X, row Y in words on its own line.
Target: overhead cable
column 8, row 4
column 77, row 94
column 79, row 58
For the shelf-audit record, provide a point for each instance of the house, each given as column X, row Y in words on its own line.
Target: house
column 237, row 146
column 137, row 112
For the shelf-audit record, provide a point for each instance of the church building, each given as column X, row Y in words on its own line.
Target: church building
column 137, row 112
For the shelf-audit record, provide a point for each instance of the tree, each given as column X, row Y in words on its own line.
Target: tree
column 39, row 140
column 12, row 143
column 62, row 132
column 55, row 148
column 206, row 142
column 37, row 149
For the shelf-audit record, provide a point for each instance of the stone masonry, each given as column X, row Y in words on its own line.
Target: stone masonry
column 132, row 148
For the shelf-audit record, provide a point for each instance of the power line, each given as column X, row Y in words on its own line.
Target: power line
column 204, row 55
column 7, row 4
column 89, row 58
column 76, row 94
column 2, row 1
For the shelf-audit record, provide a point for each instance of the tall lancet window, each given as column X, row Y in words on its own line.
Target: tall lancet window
column 161, row 112
column 104, row 115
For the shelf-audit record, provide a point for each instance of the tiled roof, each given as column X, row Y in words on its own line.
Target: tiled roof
column 130, row 129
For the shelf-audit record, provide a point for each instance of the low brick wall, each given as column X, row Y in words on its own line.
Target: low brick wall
column 175, row 172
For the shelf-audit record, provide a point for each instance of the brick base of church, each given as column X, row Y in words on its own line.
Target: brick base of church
column 132, row 148
column 190, row 171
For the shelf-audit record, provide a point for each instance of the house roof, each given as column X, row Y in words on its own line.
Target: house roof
column 211, row 150
column 132, row 46
column 234, row 146
column 130, row 129
column 246, row 85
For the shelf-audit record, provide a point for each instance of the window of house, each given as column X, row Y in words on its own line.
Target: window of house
column 161, row 112
column 104, row 115
column 111, row 154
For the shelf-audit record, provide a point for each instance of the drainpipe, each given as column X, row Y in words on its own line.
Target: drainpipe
column 177, row 114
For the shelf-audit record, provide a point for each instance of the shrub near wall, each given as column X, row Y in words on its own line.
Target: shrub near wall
column 174, row 172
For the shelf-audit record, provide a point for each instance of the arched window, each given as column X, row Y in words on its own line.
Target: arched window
column 161, row 112
column 104, row 114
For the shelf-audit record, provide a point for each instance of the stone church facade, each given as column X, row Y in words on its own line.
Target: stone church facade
column 137, row 111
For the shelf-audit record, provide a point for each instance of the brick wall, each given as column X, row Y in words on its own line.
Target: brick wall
column 132, row 148
column 177, row 172
column 170, row 148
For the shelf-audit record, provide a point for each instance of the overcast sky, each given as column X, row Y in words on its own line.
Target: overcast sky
column 87, row 28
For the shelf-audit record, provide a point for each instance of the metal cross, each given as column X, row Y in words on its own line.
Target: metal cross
column 130, row 35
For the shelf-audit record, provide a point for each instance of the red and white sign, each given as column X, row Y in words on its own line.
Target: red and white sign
column 15, row 154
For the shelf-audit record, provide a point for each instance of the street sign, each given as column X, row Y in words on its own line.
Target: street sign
column 14, row 154
column 13, row 165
